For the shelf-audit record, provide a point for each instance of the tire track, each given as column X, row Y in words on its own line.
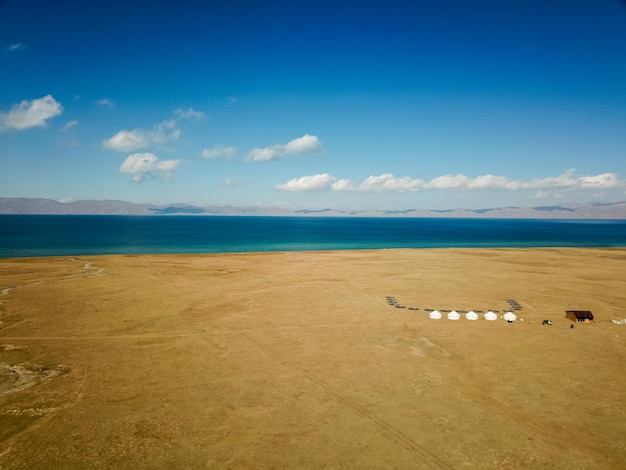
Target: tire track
column 396, row 435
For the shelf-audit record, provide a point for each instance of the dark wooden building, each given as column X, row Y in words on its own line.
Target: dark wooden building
column 580, row 316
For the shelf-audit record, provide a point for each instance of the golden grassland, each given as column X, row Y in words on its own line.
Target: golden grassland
column 296, row 360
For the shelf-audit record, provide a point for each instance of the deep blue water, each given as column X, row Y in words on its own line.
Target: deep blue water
column 54, row 235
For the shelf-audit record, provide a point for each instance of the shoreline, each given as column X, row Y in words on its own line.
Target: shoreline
column 321, row 250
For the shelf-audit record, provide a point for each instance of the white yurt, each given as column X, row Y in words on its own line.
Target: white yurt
column 435, row 315
column 454, row 315
column 509, row 316
column 491, row 316
column 471, row 315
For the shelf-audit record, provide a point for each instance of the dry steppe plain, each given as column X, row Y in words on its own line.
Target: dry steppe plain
column 297, row 360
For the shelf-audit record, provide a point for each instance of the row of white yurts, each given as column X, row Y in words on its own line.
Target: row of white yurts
column 471, row 315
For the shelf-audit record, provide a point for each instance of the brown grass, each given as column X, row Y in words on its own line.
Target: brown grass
column 296, row 360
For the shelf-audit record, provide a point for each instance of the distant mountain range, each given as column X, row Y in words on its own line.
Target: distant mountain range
column 112, row 207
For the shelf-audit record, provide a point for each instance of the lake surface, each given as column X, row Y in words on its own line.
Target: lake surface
column 56, row 235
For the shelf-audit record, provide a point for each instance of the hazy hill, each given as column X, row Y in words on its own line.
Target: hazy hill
column 114, row 207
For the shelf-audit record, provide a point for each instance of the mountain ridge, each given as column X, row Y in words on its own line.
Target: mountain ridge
column 45, row 206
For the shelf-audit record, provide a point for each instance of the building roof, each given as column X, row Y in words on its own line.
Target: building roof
column 580, row 314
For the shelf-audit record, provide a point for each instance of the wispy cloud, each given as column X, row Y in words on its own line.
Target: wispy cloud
column 68, row 125
column 219, row 152
column 106, row 102
column 127, row 141
column 69, row 142
column 188, row 114
column 568, row 180
column 147, row 166
column 306, row 144
column 28, row 114
column 232, row 183
column 453, row 182
column 16, row 47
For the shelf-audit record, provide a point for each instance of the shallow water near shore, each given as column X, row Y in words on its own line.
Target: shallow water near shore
column 62, row 235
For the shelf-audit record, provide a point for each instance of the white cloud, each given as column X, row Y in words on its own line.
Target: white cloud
column 455, row 182
column 449, row 182
column 460, row 182
column 147, row 166
column 384, row 182
column 30, row 113
column 388, row 182
column 68, row 125
column 105, row 102
column 491, row 182
column 189, row 114
column 306, row 144
column 219, row 152
column 127, row 141
column 343, row 185
column 307, row 183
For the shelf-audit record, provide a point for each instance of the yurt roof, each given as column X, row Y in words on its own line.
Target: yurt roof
column 509, row 316
column 490, row 316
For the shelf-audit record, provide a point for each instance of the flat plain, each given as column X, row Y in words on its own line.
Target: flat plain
column 298, row 360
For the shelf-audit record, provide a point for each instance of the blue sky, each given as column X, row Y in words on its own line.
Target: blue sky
column 346, row 105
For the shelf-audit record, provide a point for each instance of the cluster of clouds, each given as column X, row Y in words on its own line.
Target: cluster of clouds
column 307, row 144
column 37, row 113
column 143, row 166
column 454, row 182
column 146, row 165
column 165, row 132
